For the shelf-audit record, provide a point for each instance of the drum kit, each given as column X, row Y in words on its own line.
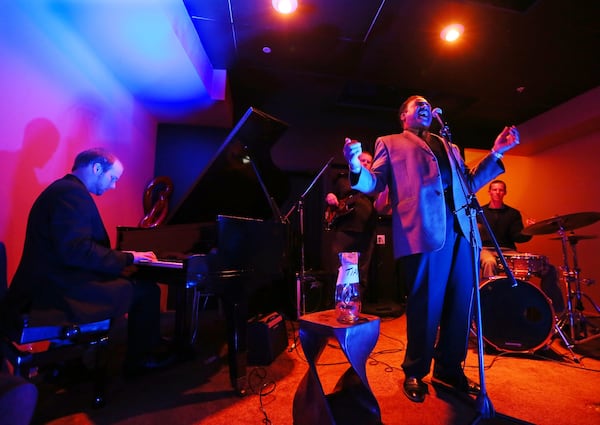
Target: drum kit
column 517, row 315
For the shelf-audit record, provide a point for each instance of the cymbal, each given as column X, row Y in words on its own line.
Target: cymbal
column 575, row 238
column 562, row 222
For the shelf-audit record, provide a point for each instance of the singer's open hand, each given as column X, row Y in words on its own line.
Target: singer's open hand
column 352, row 150
column 507, row 139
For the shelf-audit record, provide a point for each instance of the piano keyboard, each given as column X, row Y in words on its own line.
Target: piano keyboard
column 168, row 264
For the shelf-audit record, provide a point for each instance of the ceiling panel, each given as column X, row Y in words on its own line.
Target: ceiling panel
column 516, row 60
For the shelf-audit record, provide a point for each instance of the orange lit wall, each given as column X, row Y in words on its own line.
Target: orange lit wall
column 562, row 179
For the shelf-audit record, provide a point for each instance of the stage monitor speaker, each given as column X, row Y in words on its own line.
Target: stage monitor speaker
column 267, row 338
column 386, row 295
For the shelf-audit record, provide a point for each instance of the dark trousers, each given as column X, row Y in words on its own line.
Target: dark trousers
column 143, row 320
column 440, row 286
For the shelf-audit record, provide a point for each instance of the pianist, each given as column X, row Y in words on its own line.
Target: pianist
column 67, row 262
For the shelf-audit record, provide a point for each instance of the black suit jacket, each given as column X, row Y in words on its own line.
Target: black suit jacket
column 363, row 217
column 67, row 262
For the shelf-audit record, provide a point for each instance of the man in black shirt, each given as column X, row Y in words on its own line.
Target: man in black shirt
column 507, row 225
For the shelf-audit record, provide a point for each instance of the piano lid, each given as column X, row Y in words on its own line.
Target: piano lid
column 229, row 184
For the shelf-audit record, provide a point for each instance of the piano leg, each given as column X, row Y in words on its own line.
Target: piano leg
column 236, row 314
column 182, row 337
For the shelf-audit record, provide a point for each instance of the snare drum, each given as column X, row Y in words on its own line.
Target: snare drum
column 524, row 265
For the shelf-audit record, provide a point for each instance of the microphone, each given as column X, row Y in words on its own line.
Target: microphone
column 437, row 114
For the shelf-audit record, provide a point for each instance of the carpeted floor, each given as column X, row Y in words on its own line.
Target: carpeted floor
column 549, row 387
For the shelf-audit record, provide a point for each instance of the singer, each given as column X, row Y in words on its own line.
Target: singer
column 431, row 229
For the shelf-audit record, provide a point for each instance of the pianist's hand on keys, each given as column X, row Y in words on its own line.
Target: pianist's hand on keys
column 142, row 257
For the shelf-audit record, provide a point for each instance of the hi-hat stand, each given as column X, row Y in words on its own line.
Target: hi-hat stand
column 301, row 274
column 574, row 318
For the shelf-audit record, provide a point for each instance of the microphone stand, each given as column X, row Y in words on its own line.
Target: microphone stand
column 484, row 406
column 301, row 275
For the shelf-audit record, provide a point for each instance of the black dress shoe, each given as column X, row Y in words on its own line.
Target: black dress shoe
column 415, row 389
column 457, row 382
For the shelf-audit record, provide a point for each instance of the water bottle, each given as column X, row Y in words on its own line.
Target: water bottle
column 347, row 293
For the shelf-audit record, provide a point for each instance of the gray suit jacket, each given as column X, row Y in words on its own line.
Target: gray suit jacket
column 407, row 164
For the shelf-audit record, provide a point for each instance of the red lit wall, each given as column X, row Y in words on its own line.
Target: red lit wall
column 51, row 109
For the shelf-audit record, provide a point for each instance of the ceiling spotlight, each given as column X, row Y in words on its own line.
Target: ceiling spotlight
column 285, row 6
column 452, row 32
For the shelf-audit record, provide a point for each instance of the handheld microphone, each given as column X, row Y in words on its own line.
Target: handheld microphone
column 437, row 114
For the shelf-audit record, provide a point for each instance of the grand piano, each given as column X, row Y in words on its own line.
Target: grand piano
column 226, row 237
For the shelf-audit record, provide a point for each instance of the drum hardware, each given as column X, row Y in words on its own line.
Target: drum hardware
column 524, row 265
column 561, row 223
column 574, row 318
column 518, row 318
column 576, row 238
column 589, row 282
column 529, row 308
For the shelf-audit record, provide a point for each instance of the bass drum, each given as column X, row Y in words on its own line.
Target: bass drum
column 515, row 318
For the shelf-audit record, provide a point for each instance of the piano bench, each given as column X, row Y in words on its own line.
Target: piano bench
column 44, row 339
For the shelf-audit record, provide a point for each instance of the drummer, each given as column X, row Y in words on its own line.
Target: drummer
column 507, row 225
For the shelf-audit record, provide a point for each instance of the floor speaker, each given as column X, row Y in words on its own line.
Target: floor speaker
column 267, row 338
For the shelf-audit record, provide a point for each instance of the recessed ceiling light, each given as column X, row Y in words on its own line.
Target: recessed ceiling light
column 285, row 6
column 452, row 32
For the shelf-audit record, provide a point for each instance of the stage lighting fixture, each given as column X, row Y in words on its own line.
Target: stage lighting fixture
column 285, row 6
column 452, row 32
